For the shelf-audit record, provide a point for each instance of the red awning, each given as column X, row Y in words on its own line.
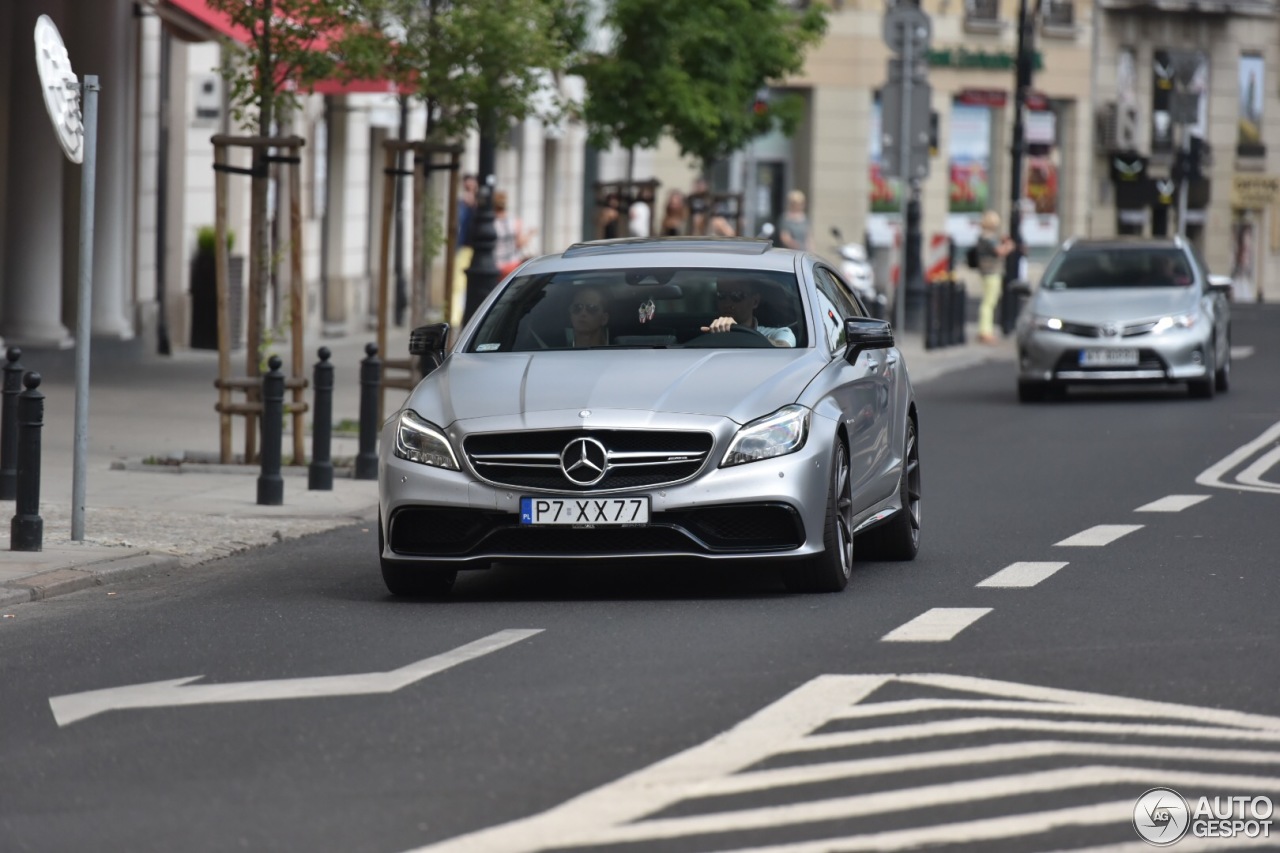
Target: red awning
column 193, row 20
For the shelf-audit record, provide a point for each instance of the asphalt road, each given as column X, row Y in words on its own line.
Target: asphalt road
column 931, row 702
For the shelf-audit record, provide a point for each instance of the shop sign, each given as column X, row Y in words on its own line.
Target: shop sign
column 963, row 58
column 1253, row 192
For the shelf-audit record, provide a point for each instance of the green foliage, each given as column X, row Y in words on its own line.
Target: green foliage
column 207, row 238
column 294, row 44
column 469, row 59
column 691, row 70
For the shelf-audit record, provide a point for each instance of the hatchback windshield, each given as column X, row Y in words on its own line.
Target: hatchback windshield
column 1155, row 266
column 643, row 308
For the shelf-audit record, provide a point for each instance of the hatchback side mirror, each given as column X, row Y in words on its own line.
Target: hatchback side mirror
column 428, row 342
column 864, row 333
column 1222, row 284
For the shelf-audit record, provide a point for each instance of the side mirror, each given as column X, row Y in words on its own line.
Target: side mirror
column 1222, row 284
column 428, row 342
column 864, row 333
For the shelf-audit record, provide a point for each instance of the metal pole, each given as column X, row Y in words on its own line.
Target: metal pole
column 905, row 184
column 320, row 474
column 270, row 482
column 1184, row 180
column 367, row 454
column 88, row 178
column 26, row 529
column 9, row 425
column 1022, row 81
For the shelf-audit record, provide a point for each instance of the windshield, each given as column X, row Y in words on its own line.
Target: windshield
column 661, row 308
column 1119, row 267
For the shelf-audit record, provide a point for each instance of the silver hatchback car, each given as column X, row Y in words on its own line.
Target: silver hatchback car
column 595, row 409
column 1125, row 310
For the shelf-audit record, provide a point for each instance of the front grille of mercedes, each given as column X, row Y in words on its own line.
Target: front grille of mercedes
column 440, row 532
column 638, row 459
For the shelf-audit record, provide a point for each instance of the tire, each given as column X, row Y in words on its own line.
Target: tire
column 899, row 537
column 414, row 580
column 1031, row 391
column 1222, row 377
column 830, row 570
column 1202, row 389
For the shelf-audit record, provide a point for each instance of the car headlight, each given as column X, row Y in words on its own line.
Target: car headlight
column 1051, row 323
column 777, row 434
column 419, row 441
column 1177, row 321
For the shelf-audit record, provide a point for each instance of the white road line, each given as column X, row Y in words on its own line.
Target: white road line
column 1253, row 474
column 1173, row 503
column 1021, row 575
column 1241, row 352
column 1099, row 535
column 1213, row 475
column 937, row 625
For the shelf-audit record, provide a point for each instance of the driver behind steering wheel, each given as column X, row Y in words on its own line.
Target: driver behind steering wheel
column 737, row 300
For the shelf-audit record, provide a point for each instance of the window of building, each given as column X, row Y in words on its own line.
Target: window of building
column 1058, row 18
column 982, row 15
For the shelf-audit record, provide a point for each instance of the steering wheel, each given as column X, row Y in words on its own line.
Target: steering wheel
column 747, row 337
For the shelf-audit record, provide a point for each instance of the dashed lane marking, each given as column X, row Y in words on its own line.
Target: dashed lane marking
column 1099, row 535
column 1021, row 575
column 937, row 625
column 1249, row 476
column 1241, row 352
column 1173, row 503
column 779, row 752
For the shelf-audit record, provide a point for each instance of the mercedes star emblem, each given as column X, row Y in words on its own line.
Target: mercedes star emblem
column 584, row 461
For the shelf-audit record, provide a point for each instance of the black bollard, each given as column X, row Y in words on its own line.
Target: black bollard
column 946, row 336
column 931, row 290
column 370, row 378
column 320, row 474
column 270, row 483
column 26, row 532
column 9, row 425
column 959, row 311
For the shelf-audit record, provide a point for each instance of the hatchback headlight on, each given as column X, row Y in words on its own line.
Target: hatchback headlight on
column 777, row 434
column 1051, row 323
column 1177, row 321
column 419, row 441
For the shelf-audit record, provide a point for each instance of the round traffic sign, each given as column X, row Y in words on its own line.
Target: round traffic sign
column 60, row 88
column 905, row 23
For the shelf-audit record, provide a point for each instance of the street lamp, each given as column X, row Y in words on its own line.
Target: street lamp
column 482, row 275
column 1023, row 67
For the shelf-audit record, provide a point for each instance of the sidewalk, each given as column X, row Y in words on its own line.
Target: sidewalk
column 145, row 518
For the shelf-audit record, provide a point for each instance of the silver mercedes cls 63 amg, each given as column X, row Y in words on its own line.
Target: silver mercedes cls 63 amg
column 1125, row 310
column 709, row 399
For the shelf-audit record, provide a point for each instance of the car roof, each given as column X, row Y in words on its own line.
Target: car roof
column 639, row 252
column 1124, row 242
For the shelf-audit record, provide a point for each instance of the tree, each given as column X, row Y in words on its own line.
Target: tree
column 692, row 70
column 473, row 61
column 291, row 45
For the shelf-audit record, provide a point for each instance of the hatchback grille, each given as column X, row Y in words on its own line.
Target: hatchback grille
column 637, row 459
column 1087, row 330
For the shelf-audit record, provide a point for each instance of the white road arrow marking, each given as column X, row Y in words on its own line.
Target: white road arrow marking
column 179, row 691
column 1127, row 742
column 1250, row 479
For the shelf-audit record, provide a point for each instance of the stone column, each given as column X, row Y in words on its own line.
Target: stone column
column 104, row 42
column 31, row 311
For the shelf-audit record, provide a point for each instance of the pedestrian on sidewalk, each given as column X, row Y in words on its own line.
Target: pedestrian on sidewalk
column 793, row 229
column 511, row 250
column 992, row 250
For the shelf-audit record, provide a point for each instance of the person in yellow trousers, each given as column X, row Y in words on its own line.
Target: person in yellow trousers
column 992, row 249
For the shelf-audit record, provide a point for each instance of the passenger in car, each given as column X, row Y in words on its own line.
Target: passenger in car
column 588, row 319
column 737, row 300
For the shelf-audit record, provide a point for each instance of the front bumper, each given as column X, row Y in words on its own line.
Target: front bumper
column 1171, row 356
column 771, row 509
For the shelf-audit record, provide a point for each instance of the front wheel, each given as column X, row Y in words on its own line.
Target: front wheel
column 830, row 570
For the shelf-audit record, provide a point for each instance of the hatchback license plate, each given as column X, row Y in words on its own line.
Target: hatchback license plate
column 585, row 512
column 1108, row 358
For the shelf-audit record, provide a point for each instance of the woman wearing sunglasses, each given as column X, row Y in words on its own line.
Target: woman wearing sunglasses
column 588, row 318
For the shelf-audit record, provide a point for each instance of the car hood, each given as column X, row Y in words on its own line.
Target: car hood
column 1102, row 305
column 740, row 384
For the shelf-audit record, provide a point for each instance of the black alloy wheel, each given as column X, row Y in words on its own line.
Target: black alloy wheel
column 899, row 537
column 830, row 570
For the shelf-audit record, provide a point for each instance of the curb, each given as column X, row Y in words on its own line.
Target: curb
column 66, row 580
